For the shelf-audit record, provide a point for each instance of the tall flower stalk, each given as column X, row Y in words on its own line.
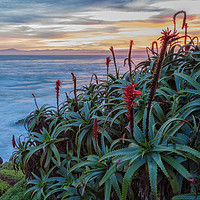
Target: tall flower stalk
column 166, row 39
column 129, row 58
column 184, row 19
column 35, row 101
column 114, row 60
column 108, row 60
column 75, row 90
column 58, row 84
column 129, row 96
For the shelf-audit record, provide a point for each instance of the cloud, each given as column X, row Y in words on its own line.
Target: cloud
column 88, row 23
column 191, row 7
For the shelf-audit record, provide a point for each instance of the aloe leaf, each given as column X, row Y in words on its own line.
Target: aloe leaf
column 173, row 180
column 106, row 134
column 86, row 109
column 165, row 127
column 79, row 165
column 152, row 169
column 117, row 115
column 107, row 190
column 165, row 149
column 179, row 82
column 176, row 165
column 32, row 151
column 138, row 134
column 129, row 174
column 160, row 113
column 114, row 182
column 118, row 86
column 74, row 115
column 108, row 174
column 119, row 152
column 172, row 131
column 80, row 138
column 56, row 153
column 189, row 79
column 89, row 143
column 188, row 149
column 48, row 159
column 190, row 196
column 158, row 160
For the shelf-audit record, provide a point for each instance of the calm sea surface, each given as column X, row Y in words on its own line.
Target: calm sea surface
column 20, row 76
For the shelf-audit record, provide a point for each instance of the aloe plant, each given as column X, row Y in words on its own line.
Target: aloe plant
column 134, row 135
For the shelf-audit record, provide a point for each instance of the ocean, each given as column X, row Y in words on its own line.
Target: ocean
column 24, row 75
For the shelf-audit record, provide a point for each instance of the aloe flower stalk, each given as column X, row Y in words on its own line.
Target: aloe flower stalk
column 129, row 96
column 129, row 58
column 108, row 60
column 58, row 84
column 96, row 78
column 74, row 80
column 35, row 101
column 95, row 130
column 166, row 39
column 114, row 60
column 184, row 19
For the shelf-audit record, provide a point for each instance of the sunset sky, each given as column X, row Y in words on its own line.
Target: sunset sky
column 90, row 24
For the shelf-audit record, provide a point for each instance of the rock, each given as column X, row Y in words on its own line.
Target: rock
column 21, row 121
column 1, row 160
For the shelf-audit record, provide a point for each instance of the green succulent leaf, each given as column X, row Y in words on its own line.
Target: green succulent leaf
column 129, row 175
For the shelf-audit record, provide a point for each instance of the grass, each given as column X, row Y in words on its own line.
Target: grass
column 17, row 175
column 16, row 192
column 6, row 190
column 4, row 186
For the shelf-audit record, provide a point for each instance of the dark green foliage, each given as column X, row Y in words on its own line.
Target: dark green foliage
column 3, row 187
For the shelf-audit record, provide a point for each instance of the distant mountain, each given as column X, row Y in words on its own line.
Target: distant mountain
column 13, row 51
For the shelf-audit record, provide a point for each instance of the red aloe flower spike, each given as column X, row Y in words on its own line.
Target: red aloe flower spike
column 13, row 142
column 58, row 85
column 129, row 96
column 95, row 129
column 108, row 60
column 114, row 60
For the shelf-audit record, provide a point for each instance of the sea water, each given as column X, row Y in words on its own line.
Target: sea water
column 24, row 75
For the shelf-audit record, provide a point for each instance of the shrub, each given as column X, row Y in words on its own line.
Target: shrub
column 17, row 192
column 3, row 187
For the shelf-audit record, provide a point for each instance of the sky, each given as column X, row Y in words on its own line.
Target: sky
column 90, row 24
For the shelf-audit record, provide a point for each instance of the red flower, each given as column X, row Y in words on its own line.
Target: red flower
column 95, row 129
column 58, row 84
column 108, row 60
column 129, row 96
column 168, row 37
column 13, row 142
